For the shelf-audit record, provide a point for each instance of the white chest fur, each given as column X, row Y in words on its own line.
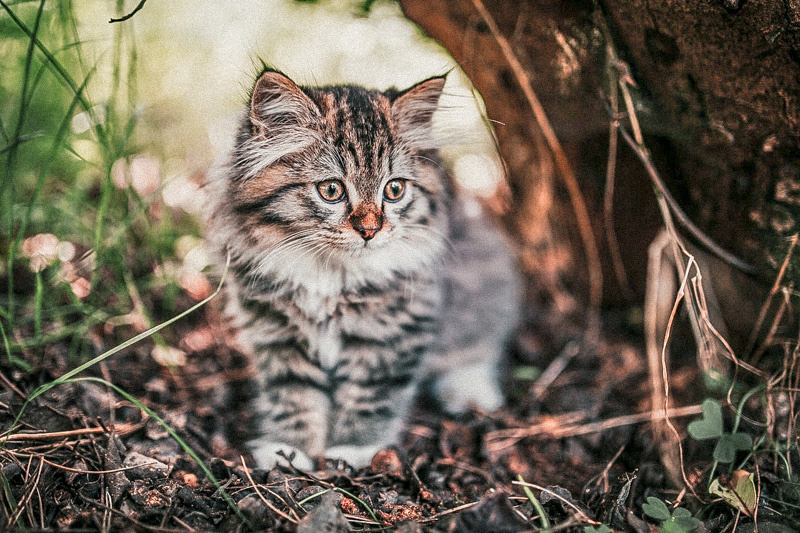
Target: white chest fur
column 329, row 345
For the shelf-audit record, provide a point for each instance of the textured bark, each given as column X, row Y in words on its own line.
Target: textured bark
column 718, row 94
column 725, row 81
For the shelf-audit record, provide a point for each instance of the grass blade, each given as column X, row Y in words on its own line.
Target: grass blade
column 184, row 446
column 536, row 505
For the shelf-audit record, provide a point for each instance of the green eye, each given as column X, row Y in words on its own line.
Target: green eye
column 394, row 190
column 331, row 190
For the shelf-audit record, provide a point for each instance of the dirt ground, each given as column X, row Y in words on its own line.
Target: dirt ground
column 87, row 459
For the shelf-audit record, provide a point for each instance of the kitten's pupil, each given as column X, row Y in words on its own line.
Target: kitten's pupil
column 331, row 190
column 394, row 190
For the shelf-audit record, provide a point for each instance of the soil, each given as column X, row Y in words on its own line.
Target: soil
column 92, row 460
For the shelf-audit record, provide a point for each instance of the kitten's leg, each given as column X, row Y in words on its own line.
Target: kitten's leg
column 292, row 419
column 475, row 383
column 479, row 313
column 369, row 417
column 292, row 407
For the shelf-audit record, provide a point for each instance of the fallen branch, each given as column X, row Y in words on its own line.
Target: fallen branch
column 498, row 440
column 119, row 429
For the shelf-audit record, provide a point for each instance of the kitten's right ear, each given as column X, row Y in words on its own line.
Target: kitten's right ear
column 277, row 102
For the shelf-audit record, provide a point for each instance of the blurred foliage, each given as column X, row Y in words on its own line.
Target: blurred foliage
column 64, row 162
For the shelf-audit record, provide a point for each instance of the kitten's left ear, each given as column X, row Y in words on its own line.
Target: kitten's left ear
column 413, row 109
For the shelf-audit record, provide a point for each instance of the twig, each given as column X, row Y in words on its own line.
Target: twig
column 8, row 383
column 573, row 430
column 608, row 192
column 664, row 366
column 128, row 517
column 785, row 304
column 554, row 369
column 762, row 314
column 603, row 476
column 675, row 209
column 562, row 162
column 263, row 499
column 437, row 516
column 136, row 9
column 583, row 516
column 182, row 523
column 121, row 429
column 536, row 504
column 96, row 472
column 22, row 503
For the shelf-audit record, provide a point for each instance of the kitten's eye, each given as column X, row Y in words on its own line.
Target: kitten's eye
column 394, row 190
column 331, row 190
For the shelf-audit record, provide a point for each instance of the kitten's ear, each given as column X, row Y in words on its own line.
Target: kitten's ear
column 413, row 109
column 277, row 102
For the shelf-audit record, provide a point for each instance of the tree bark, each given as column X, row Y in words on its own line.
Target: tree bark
column 718, row 96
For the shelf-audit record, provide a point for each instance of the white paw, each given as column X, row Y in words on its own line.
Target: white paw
column 474, row 385
column 266, row 455
column 355, row 456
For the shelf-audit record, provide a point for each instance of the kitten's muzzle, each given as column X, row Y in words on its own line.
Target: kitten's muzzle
column 367, row 220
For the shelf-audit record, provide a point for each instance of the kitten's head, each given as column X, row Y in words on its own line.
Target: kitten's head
column 339, row 174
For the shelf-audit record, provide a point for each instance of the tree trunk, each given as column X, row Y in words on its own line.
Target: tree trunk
column 718, row 98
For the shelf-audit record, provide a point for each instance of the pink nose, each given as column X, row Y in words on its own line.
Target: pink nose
column 367, row 220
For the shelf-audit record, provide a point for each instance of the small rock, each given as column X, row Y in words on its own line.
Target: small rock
column 387, row 462
column 256, row 512
column 326, row 518
column 146, row 467
column 117, row 482
column 219, row 469
column 552, row 495
column 308, row 492
column 193, row 500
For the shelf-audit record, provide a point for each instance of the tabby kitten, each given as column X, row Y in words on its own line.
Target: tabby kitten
column 357, row 269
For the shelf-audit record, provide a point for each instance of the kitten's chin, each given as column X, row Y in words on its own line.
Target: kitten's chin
column 392, row 254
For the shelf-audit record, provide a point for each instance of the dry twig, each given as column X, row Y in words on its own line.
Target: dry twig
column 762, row 314
column 498, row 440
column 562, row 162
column 581, row 514
column 120, row 429
column 268, row 503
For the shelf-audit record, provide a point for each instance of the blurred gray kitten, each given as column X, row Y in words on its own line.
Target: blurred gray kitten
column 357, row 270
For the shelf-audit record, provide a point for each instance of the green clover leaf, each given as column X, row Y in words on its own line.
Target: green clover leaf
column 655, row 508
column 710, row 426
column 729, row 444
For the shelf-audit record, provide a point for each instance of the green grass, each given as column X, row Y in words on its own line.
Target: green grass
column 58, row 180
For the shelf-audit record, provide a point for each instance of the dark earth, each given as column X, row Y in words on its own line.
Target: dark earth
column 717, row 86
column 87, row 459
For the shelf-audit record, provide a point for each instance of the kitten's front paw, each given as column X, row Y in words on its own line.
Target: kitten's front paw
column 266, row 455
column 355, row 456
column 468, row 386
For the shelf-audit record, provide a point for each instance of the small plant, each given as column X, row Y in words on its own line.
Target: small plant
column 678, row 521
column 710, row 426
column 737, row 490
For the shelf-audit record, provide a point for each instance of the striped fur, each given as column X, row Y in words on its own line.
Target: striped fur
column 345, row 322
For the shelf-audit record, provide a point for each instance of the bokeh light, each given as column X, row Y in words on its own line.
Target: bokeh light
column 196, row 61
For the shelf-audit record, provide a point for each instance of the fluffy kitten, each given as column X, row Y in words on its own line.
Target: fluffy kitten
column 357, row 270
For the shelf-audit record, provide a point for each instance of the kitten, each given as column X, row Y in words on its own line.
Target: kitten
column 357, row 270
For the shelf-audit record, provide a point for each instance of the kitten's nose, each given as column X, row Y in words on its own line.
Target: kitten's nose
column 367, row 220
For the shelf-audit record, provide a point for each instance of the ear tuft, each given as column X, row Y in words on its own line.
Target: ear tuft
column 278, row 102
column 283, row 120
column 413, row 110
